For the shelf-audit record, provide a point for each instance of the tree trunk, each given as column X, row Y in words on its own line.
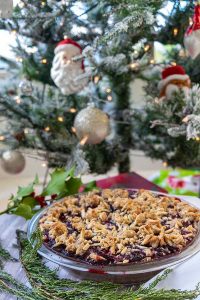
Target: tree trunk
column 123, row 130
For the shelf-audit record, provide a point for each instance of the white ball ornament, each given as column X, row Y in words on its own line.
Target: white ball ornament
column 92, row 125
column 67, row 74
column 12, row 162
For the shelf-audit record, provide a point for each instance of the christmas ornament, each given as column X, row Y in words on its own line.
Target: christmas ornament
column 173, row 80
column 12, row 162
column 192, row 35
column 67, row 74
column 92, row 125
column 25, row 87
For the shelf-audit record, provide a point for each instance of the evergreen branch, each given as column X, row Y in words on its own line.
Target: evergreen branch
column 5, row 255
column 46, row 282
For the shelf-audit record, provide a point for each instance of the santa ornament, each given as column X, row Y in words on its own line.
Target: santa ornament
column 67, row 74
column 192, row 35
column 174, row 79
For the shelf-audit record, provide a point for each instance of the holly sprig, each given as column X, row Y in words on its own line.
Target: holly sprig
column 28, row 201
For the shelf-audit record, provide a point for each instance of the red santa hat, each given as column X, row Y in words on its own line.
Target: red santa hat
column 192, row 35
column 68, row 44
column 171, row 73
column 196, row 21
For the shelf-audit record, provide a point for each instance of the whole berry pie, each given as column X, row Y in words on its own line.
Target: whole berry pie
column 119, row 226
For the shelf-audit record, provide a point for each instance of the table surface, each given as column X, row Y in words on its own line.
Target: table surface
column 9, row 224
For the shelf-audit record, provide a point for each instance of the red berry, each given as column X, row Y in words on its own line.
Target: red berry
column 41, row 200
column 54, row 196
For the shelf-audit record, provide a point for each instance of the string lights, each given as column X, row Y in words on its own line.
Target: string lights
column 175, row 31
column 146, row 48
column 108, row 90
column 26, row 131
column 96, row 79
column 134, row 66
column 60, row 119
column 47, row 129
column 44, row 61
column 73, row 110
column 18, row 99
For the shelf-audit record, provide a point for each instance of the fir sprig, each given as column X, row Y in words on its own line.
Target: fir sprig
column 47, row 285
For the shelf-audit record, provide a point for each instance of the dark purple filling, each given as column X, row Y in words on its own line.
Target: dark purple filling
column 105, row 257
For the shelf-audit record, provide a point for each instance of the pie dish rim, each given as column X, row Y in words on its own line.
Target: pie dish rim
column 121, row 268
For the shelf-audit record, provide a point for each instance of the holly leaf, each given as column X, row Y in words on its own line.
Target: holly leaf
column 25, row 191
column 30, row 201
column 24, row 211
column 57, row 184
column 73, row 185
column 90, row 186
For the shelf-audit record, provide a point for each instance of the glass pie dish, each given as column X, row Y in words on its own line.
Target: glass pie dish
column 131, row 273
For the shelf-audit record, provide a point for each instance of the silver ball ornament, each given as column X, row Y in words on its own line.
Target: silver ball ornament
column 12, row 162
column 25, row 87
column 92, row 125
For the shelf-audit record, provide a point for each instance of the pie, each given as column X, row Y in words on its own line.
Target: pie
column 119, row 226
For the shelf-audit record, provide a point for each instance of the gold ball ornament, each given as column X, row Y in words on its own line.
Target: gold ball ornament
column 12, row 162
column 92, row 125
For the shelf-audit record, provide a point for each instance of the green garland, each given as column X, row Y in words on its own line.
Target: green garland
column 47, row 285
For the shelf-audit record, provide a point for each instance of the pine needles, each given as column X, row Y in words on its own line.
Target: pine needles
column 46, row 284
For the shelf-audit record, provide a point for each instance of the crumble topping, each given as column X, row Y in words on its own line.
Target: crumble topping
column 119, row 226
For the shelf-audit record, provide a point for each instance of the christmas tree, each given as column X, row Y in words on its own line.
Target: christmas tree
column 168, row 127
column 40, row 117
column 117, row 40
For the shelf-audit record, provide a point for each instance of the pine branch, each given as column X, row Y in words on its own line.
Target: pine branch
column 5, row 255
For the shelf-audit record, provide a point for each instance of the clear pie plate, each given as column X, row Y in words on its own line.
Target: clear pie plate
column 127, row 273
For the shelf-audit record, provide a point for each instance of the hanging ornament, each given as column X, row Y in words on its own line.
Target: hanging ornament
column 67, row 74
column 25, row 87
column 173, row 80
column 12, row 162
column 92, row 125
column 192, row 35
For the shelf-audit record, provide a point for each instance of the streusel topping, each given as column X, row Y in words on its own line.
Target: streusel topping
column 119, row 226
